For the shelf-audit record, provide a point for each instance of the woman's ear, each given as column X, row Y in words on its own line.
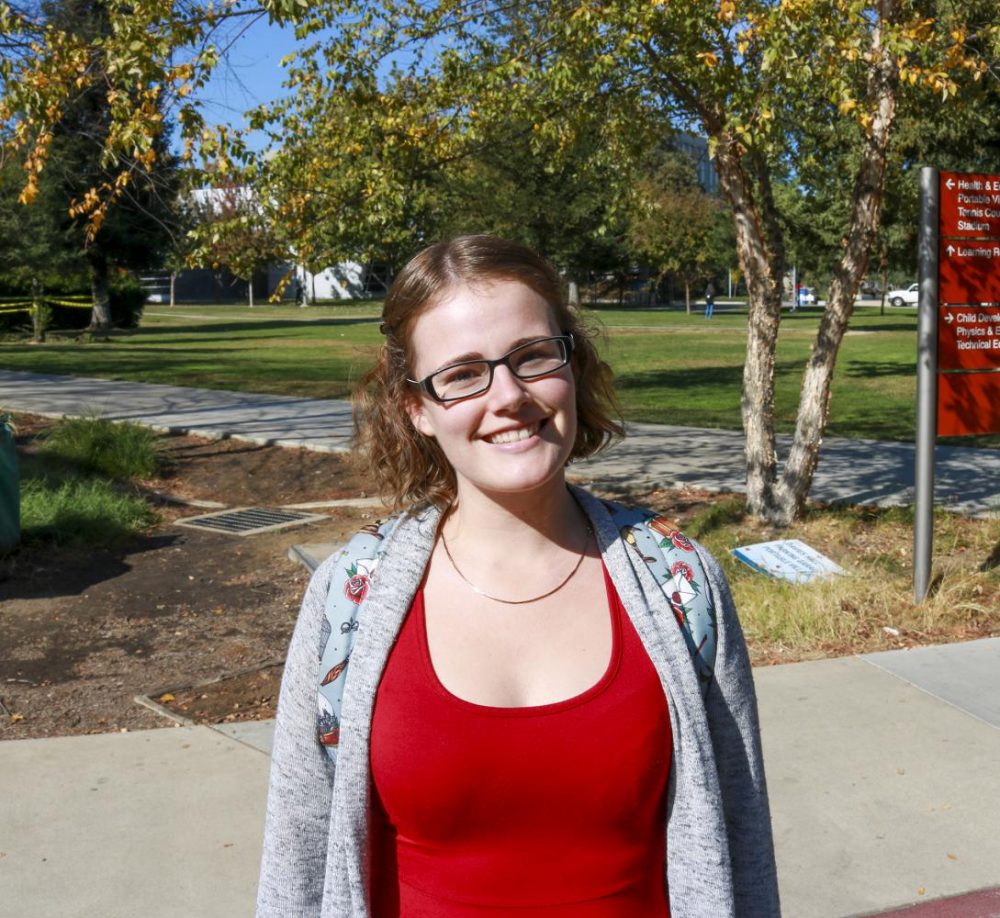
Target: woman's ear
column 415, row 409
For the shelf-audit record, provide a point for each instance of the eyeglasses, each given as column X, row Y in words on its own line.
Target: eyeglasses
column 473, row 377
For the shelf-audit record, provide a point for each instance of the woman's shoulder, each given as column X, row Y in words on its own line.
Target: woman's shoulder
column 629, row 517
column 360, row 552
column 355, row 561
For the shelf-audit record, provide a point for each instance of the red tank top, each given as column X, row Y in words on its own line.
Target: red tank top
column 556, row 810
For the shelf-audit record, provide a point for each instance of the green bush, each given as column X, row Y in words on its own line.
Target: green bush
column 80, row 510
column 128, row 299
column 102, row 447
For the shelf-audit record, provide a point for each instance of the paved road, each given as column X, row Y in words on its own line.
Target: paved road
column 850, row 471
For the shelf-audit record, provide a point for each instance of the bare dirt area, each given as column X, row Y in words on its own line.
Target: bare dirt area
column 83, row 631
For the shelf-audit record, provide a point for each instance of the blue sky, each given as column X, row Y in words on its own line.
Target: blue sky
column 250, row 73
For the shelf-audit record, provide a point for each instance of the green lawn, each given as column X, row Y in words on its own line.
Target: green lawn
column 671, row 368
column 676, row 369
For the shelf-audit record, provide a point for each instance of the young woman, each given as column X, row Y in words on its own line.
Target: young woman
column 522, row 729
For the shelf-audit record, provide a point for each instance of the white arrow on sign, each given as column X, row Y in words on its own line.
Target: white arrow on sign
column 950, row 250
column 949, row 184
column 949, row 318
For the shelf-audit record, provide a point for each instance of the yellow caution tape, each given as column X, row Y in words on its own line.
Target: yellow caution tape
column 70, row 303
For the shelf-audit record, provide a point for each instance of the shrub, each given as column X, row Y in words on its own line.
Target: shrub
column 102, row 447
column 128, row 299
column 80, row 510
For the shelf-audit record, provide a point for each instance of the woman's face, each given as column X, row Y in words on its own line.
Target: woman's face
column 517, row 436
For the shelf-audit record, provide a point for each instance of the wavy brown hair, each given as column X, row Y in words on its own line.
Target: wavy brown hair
column 409, row 467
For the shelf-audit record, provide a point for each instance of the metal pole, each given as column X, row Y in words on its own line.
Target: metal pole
column 927, row 347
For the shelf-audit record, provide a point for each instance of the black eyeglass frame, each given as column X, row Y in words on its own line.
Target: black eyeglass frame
column 426, row 386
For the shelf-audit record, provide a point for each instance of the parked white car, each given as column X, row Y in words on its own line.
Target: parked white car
column 908, row 297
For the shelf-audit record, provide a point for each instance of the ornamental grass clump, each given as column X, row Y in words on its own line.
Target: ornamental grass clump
column 96, row 445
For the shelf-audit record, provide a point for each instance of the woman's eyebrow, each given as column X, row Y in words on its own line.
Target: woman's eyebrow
column 477, row 355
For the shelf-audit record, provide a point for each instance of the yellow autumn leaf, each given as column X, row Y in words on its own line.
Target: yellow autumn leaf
column 709, row 58
column 846, row 106
column 29, row 192
column 167, row 697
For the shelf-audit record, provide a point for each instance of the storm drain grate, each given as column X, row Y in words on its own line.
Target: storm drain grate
column 245, row 521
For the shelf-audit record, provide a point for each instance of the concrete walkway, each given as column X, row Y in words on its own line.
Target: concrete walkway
column 884, row 770
column 884, row 775
column 850, row 471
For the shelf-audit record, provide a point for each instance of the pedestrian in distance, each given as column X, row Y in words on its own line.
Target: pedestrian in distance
column 512, row 697
column 709, row 300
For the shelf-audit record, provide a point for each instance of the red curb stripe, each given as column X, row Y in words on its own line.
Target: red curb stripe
column 984, row 903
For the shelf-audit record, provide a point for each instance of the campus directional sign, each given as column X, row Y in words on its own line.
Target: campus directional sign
column 970, row 205
column 969, row 338
column 958, row 330
column 968, row 299
column 969, row 271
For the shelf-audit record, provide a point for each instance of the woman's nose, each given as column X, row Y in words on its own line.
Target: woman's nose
column 507, row 390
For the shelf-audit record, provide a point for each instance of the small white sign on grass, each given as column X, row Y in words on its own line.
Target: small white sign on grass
column 787, row 559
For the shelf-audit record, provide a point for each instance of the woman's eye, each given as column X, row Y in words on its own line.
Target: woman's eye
column 459, row 375
column 533, row 355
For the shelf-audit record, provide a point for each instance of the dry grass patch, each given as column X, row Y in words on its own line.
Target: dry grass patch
column 872, row 606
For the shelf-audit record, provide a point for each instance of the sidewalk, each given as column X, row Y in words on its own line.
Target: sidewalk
column 884, row 770
column 849, row 471
column 884, row 775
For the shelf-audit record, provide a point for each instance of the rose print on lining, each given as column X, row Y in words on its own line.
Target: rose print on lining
column 356, row 564
column 659, row 541
column 359, row 579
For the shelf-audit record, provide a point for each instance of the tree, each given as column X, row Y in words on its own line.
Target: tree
column 675, row 226
column 36, row 243
column 233, row 229
column 67, row 172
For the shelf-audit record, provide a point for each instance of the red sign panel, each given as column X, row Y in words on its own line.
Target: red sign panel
column 970, row 205
column 968, row 404
column 969, row 272
column 969, row 338
column 969, row 305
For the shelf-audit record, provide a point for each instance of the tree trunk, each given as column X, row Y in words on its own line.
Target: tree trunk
column 250, row 291
column 687, row 296
column 883, row 277
column 38, row 322
column 100, row 316
column 573, row 294
column 866, row 200
column 173, row 284
column 761, row 256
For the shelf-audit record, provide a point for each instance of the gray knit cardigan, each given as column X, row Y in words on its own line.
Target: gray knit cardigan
column 720, row 855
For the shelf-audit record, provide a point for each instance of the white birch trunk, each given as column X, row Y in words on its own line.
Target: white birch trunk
column 866, row 201
column 761, row 256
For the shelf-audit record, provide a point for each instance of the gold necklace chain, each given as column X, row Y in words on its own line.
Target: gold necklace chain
column 520, row 602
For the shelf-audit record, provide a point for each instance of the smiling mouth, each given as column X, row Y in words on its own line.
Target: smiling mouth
column 514, row 436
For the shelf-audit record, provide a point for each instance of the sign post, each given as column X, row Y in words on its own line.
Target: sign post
column 927, row 358
column 958, row 330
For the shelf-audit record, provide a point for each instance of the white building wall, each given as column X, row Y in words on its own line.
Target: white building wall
column 340, row 282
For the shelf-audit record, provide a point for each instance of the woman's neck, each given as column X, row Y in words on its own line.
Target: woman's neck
column 523, row 520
